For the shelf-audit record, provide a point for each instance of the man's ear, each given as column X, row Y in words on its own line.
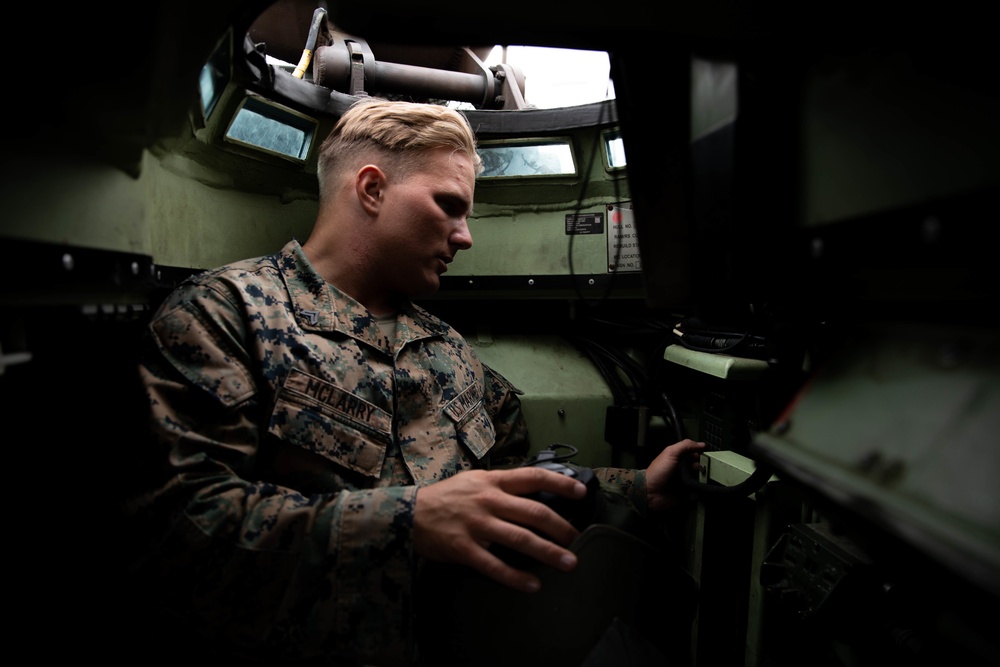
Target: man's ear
column 370, row 184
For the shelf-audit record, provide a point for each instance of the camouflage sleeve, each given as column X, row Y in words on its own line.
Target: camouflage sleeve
column 513, row 444
column 631, row 483
column 504, row 406
column 257, row 567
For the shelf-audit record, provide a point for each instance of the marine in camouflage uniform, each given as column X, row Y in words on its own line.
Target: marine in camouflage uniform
column 297, row 433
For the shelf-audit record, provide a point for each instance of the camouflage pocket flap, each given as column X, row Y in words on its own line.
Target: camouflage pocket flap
column 329, row 421
column 477, row 433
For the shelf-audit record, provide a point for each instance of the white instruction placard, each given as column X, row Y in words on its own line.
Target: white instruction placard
column 623, row 242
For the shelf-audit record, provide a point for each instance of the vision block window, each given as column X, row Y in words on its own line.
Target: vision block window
column 614, row 149
column 213, row 78
column 548, row 158
column 273, row 129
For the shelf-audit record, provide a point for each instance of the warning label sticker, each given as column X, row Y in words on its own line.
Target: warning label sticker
column 623, row 242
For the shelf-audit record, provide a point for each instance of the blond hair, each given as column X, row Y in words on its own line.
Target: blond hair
column 397, row 133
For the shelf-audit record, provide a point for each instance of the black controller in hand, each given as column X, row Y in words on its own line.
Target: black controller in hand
column 577, row 512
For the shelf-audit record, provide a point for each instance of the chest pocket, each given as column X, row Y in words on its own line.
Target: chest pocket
column 473, row 426
column 329, row 421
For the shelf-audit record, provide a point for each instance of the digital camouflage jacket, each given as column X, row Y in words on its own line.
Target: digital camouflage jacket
column 296, row 435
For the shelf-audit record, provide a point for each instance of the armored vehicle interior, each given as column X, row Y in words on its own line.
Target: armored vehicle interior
column 771, row 238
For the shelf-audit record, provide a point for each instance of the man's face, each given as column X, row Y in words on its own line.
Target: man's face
column 423, row 222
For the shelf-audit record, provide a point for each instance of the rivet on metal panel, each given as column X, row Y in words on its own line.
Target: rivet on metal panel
column 817, row 248
column 931, row 229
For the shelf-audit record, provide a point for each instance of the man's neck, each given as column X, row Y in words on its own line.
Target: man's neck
column 342, row 270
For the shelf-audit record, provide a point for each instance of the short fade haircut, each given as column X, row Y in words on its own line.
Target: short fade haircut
column 398, row 133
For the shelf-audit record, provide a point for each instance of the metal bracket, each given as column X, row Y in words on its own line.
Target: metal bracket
column 727, row 468
column 511, row 96
column 357, row 85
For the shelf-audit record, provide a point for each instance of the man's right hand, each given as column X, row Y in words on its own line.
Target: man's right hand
column 457, row 520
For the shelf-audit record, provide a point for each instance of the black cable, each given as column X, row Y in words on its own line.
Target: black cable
column 609, row 361
column 678, row 425
column 584, row 184
column 606, row 366
column 548, row 454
